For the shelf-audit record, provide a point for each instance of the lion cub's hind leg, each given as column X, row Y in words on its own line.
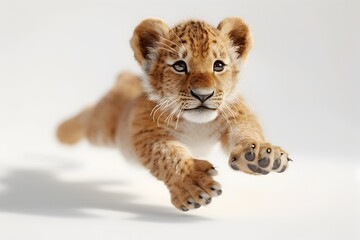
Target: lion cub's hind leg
column 99, row 123
column 73, row 130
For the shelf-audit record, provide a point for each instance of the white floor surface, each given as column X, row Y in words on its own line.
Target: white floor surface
column 89, row 193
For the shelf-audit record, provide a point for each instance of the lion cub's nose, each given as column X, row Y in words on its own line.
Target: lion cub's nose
column 201, row 95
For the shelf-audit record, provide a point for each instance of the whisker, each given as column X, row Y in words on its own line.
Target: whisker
column 159, row 106
column 178, row 38
column 192, row 100
column 179, row 114
column 226, row 118
column 169, row 41
column 227, row 108
column 156, row 107
column 163, row 111
column 169, row 47
column 170, row 116
column 242, row 105
column 171, row 51
column 246, row 106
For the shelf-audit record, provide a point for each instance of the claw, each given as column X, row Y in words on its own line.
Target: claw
column 184, row 209
column 212, row 172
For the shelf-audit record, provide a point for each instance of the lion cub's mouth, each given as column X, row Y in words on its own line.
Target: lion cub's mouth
column 201, row 108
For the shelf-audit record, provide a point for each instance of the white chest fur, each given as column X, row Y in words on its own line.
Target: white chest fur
column 200, row 138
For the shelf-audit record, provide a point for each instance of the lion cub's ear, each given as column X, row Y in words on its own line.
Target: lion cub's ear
column 238, row 32
column 146, row 38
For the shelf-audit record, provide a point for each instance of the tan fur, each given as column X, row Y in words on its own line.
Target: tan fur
column 157, row 121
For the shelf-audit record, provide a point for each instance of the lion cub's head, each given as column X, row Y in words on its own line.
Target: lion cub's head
column 192, row 68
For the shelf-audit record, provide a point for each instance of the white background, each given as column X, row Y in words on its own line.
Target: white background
column 301, row 79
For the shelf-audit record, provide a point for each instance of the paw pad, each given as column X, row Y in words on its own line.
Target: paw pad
column 264, row 162
column 276, row 164
column 282, row 169
column 256, row 169
column 250, row 156
column 258, row 158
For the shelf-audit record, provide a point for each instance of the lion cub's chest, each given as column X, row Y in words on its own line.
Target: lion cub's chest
column 199, row 138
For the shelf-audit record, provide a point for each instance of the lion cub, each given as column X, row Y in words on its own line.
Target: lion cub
column 186, row 100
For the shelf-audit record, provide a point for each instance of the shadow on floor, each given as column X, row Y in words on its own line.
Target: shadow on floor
column 39, row 192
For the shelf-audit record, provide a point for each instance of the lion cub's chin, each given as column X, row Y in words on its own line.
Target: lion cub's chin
column 200, row 116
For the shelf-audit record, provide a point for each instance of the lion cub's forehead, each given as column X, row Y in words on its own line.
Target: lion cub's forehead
column 200, row 38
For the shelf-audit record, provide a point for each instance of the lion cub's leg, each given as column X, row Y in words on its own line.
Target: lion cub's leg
column 189, row 180
column 258, row 157
column 249, row 152
column 74, row 129
column 99, row 123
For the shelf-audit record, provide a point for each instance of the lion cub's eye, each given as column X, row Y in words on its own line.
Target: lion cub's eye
column 180, row 66
column 218, row 66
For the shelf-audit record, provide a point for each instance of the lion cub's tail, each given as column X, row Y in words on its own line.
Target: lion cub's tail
column 73, row 130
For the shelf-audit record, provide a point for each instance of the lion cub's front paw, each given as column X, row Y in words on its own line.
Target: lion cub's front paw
column 258, row 158
column 195, row 189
